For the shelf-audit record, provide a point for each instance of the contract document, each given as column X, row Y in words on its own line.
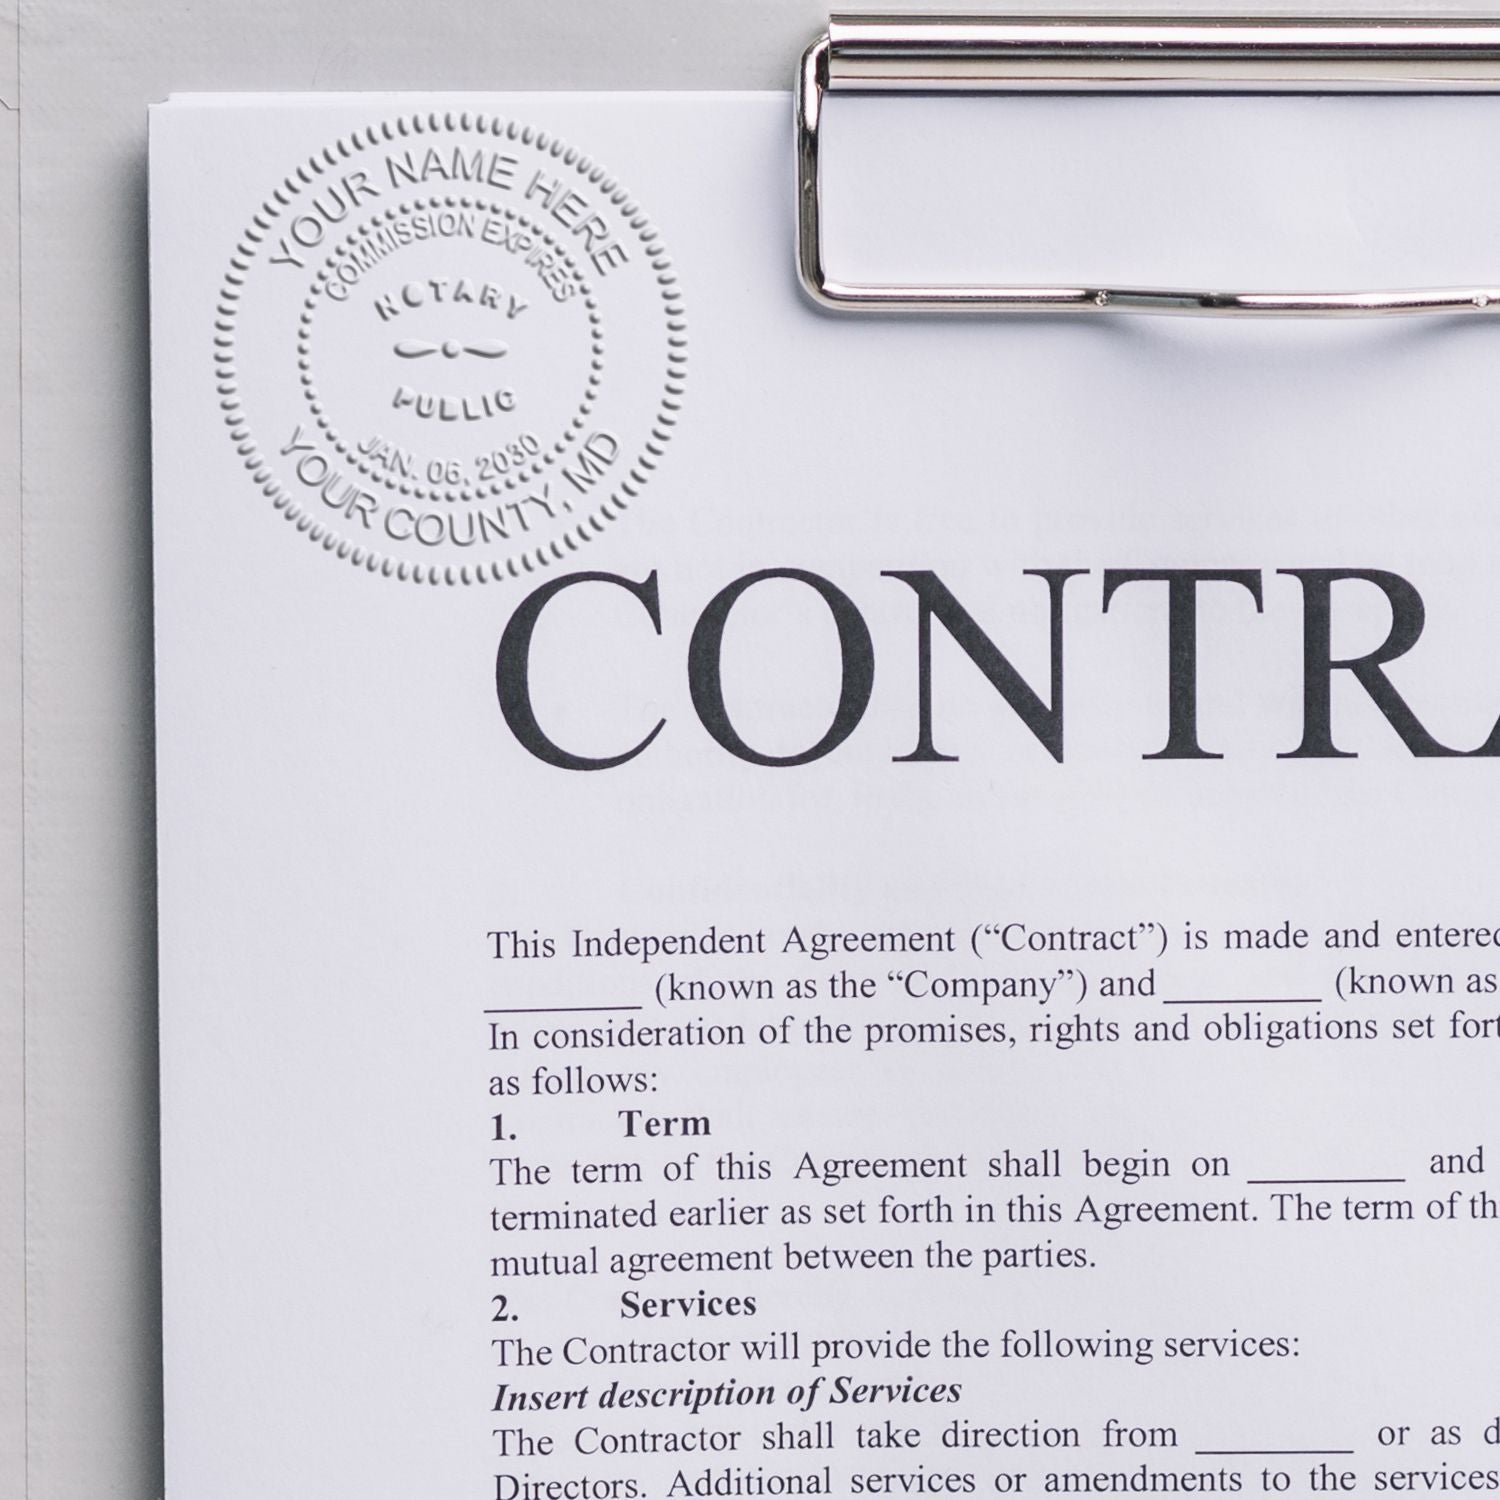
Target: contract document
column 757, row 903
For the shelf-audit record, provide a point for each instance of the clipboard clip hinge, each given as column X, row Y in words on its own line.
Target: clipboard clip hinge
column 1122, row 55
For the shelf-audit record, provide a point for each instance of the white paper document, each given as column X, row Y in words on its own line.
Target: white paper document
column 755, row 903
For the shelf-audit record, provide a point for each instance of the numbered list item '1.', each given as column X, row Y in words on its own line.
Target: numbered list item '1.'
column 904, row 906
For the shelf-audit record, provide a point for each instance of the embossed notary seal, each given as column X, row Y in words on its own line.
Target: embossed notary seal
column 450, row 348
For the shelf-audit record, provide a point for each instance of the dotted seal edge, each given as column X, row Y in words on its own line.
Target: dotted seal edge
column 372, row 561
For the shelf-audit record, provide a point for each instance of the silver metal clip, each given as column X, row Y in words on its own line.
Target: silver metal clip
column 1169, row 55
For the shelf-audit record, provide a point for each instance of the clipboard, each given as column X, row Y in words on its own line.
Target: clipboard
column 756, row 902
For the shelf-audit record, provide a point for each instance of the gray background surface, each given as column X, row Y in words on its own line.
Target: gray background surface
column 80, row 1411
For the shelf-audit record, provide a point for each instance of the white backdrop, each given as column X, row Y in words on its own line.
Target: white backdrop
column 80, row 1415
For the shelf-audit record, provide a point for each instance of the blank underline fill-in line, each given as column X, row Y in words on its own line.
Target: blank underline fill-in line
column 1273, row 1452
column 556, row 1010
column 1318, row 1181
column 1242, row 1002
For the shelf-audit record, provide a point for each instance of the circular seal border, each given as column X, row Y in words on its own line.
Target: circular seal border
column 227, row 380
